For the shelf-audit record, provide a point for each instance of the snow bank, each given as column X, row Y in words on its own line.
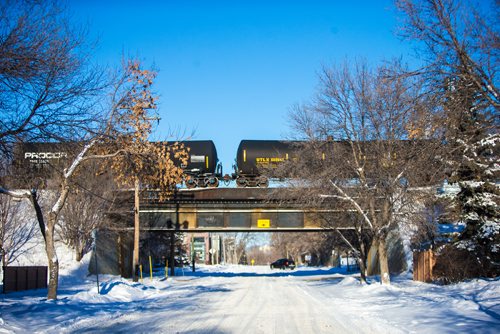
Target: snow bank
column 252, row 299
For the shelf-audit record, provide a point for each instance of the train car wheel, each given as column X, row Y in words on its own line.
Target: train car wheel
column 241, row 182
column 263, row 182
column 191, row 183
column 213, row 182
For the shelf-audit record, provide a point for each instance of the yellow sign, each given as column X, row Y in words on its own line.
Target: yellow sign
column 263, row 223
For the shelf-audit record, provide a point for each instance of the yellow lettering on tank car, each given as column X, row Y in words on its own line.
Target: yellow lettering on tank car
column 261, row 160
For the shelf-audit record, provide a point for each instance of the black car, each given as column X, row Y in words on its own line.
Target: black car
column 283, row 264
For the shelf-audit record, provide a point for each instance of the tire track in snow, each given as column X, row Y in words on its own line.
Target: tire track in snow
column 269, row 305
column 350, row 323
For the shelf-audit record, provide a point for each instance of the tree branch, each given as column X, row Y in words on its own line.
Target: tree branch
column 353, row 202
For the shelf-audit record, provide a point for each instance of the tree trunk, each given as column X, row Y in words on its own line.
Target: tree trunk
column 362, row 262
column 3, row 253
column 48, row 235
column 78, row 255
column 385, row 277
column 78, row 251
column 120, row 256
column 53, row 261
column 224, row 253
column 135, row 261
column 362, row 255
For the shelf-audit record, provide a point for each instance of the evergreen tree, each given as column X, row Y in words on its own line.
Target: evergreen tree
column 458, row 42
column 472, row 134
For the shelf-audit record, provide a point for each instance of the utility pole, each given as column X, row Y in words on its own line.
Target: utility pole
column 172, row 234
column 193, row 255
column 135, row 261
column 172, row 253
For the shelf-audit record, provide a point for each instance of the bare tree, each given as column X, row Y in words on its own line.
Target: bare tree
column 371, row 161
column 319, row 245
column 284, row 244
column 261, row 255
column 356, row 239
column 455, row 38
column 235, row 246
column 48, row 88
column 143, row 164
column 294, row 245
column 85, row 210
column 123, row 123
column 50, row 91
column 17, row 228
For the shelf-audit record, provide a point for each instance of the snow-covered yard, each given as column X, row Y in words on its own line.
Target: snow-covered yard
column 245, row 299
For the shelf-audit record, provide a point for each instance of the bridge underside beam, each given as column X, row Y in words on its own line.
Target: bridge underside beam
column 229, row 220
column 230, row 230
column 234, row 210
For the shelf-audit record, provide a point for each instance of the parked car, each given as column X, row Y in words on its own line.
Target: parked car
column 283, row 264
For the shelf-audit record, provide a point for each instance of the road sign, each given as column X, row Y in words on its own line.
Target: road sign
column 263, row 223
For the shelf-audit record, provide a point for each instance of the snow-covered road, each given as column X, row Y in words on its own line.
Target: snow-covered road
column 250, row 300
column 263, row 305
column 243, row 299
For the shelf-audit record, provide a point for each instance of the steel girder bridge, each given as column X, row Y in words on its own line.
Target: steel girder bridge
column 209, row 210
column 234, row 210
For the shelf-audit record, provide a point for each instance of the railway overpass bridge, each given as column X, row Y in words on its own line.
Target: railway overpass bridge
column 208, row 210
column 234, row 210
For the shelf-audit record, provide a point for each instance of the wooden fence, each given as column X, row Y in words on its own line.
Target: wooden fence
column 24, row 278
column 423, row 262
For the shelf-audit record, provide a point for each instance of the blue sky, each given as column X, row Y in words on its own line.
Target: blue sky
column 231, row 70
